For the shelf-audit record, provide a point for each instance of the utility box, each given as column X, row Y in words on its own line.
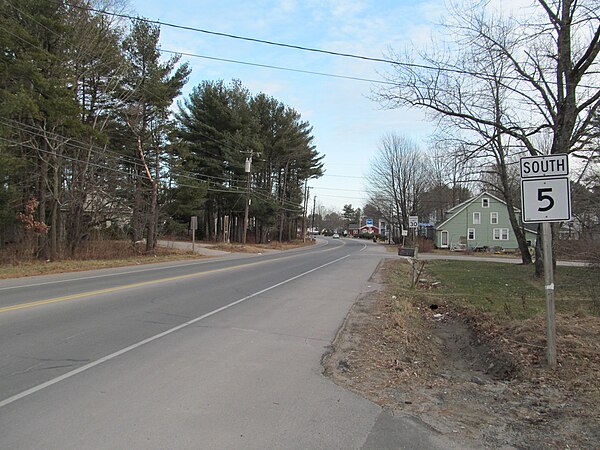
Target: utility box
column 405, row 251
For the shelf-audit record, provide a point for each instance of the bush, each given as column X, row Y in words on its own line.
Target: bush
column 579, row 249
column 425, row 245
column 176, row 229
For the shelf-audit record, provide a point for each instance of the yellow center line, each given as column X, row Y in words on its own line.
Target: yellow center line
column 135, row 285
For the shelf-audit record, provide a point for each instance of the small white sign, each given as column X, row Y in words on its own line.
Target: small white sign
column 404, row 232
column 546, row 200
column 545, row 166
column 413, row 221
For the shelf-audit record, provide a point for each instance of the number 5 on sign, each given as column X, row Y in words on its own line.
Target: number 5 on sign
column 546, row 200
column 545, row 194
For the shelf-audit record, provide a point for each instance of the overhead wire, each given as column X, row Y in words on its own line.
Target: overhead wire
column 136, row 161
column 269, row 66
column 239, row 189
column 406, row 64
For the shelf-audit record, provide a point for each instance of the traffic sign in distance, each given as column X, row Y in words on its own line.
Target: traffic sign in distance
column 413, row 221
column 546, row 200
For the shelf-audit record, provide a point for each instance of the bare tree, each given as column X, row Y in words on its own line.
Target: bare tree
column 398, row 177
column 507, row 80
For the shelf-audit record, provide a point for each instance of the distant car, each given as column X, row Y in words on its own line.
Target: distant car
column 336, row 236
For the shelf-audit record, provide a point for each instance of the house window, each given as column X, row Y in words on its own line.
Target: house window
column 494, row 218
column 471, row 234
column 485, row 202
column 476, row 218
column 444, row 239
column 501, row 234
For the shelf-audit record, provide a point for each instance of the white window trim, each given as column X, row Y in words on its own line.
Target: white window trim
column 498, row 234
column 447, row 244
column 478, row 221
column 494, row 215
column 485, row 202
column 469, row 232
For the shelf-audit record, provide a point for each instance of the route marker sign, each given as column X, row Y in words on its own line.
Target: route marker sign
column 546, row 197
column 545, row 189
column 545, row 166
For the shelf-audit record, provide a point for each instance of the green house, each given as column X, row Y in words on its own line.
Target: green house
column 479, row 223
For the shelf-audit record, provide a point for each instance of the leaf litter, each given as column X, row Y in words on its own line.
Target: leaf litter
column 467, row 374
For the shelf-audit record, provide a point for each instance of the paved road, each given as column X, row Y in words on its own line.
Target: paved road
column 221, row 353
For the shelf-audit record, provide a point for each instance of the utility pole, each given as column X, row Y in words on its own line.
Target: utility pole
column 247, row 168
column 305, row 211
column 312, row 224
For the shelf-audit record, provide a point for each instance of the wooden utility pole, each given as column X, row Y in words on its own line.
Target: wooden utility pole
column 247, row 168
column 305, row 211
column 193, row 226
column 312, row 224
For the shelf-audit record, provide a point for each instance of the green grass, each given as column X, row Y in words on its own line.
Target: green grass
column 512, row 291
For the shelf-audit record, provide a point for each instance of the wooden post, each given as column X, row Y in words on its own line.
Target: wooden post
column 193, row 226
column 549, row 284
column 247, row 168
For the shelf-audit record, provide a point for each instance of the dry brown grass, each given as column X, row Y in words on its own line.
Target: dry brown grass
column 259, row 248
column 93, row 255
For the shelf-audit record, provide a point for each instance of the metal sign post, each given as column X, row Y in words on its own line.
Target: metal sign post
column 549, row 283
column 413, row 222
column 546, row 198
column 193, row 226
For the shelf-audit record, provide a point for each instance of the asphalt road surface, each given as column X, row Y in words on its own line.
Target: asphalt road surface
column 214, row 354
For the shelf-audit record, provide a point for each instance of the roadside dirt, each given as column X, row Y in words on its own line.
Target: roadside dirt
column 475, row 380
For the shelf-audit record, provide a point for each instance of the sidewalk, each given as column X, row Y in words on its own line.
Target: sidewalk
column 200, row 248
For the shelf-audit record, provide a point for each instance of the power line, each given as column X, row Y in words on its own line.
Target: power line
column 279, row 44
column 268, row 66
column 437, row 68
column 345, row 176
column 259, row 192
column 336, row 189
column 237, row 37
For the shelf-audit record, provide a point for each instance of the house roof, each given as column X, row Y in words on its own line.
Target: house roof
column 460, row 207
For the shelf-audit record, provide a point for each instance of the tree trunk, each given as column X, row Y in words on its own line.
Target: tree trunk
column 152, row 219
column 41, row 249
column 137, row 213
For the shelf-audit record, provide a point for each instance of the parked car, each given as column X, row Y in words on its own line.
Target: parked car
column 336, row 236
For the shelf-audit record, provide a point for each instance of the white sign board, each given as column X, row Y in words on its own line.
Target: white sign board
column 413, row 221
column 551, row 166
column 404, row 232
column 546, row 200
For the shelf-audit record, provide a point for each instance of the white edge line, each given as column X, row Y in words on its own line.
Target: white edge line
column 114, row 355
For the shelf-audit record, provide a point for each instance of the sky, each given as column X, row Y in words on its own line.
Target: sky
column 347, row 124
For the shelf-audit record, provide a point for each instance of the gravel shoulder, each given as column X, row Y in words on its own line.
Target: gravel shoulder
column 469, row 377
